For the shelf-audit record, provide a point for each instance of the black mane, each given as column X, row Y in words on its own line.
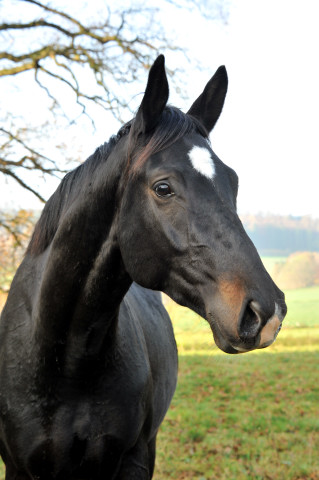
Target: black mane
column 172, row 126
column 47, row 225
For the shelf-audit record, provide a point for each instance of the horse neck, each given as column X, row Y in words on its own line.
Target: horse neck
column 83, row 283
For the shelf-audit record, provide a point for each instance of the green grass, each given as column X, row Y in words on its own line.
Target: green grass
column 252, row 416
column 303, row 307
column 244, row 417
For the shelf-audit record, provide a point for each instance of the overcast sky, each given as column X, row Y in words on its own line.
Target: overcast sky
column 268, row 131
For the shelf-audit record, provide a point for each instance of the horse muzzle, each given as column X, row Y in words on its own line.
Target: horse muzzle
column 253, row 330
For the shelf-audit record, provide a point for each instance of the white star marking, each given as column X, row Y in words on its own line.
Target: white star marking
column 202, row 161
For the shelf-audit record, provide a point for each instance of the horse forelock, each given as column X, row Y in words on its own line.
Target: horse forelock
column 172, row 126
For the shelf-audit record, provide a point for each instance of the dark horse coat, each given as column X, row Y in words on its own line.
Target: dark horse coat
column 88, row 360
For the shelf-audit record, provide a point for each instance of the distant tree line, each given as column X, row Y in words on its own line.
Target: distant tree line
column 280, row 235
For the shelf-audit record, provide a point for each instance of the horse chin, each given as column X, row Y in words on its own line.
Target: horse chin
column 231, row 348
column 228, row 348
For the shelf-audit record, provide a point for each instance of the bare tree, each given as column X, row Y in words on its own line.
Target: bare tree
column 92, row 58
column 60, row 50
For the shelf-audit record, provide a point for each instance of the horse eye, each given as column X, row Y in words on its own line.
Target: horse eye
column 163, row 190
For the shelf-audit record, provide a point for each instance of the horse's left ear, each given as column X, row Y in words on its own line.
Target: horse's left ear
column 155, row 98
column 209, row 104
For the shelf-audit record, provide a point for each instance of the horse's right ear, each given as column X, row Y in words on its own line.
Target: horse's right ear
column 154, row 100
column 209, row 104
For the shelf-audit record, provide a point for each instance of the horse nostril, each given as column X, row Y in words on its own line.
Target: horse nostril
column 250, row 322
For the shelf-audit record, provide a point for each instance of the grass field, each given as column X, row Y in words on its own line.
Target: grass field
column 244, row 417
column 303, row 307
column 252, row 416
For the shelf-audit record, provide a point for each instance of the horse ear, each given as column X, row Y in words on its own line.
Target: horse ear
column 155, row 97
column 209, row 104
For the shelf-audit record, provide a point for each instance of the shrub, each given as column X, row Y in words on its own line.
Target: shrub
column 300, row 270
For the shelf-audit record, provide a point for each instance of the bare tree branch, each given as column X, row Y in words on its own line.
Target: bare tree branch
column 10, row 173
column 63, row 52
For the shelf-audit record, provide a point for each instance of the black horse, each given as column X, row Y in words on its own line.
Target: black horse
column 88, row 360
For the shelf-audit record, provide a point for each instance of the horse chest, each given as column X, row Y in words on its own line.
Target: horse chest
column 72, row 425
column 78, row 436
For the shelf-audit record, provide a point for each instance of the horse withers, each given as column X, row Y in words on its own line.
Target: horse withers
column 88, row 360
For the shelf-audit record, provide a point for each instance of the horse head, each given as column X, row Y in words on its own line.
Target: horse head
column 178, row 229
